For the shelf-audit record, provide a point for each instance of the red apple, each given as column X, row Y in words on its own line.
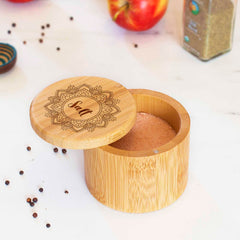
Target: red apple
column 137, row 15
column 19, row 1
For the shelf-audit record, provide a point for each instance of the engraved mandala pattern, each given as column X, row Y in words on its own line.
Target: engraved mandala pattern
column 107, row 108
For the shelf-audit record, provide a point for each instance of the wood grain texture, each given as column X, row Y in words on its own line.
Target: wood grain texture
column 83, row 112
column 143, row 181
column 8, row 57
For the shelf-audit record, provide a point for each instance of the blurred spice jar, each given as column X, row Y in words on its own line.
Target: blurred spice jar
column 209, row 27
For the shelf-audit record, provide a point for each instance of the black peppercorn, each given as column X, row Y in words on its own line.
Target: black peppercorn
column 55, row 150
column 7, row 182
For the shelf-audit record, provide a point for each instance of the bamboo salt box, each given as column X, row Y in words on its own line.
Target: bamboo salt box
column 90, row 113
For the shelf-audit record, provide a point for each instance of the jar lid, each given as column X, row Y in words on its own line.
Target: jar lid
column 83, row 112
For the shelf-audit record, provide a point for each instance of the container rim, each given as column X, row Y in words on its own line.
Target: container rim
column 182, row 133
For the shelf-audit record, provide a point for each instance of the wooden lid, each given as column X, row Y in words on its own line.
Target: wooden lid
column 83, row 112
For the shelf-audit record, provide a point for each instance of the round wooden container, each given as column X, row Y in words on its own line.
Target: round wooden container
column 142, row 181
column 91, row 112
column 8, row 57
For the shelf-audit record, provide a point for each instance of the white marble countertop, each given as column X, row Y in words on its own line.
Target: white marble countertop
column 93, row 45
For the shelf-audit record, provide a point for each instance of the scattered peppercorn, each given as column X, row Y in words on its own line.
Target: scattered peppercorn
column 135, row 45
column 42, row 27
column 24, row 42
column 32, row 204
column 40, row 189
column 42, row 34
column 29, row 148
column 29, row 200
column 35, row 199
column 55, row 150
column 9, row 32
column 66, row 192
column 48, row 225
column 71, row 18
column 14, row 25
column 48, row 25
column 64, row 151
column 35, row 215
column 41, row 40
column 21, row 172
column 58, row 48
column 7, row 182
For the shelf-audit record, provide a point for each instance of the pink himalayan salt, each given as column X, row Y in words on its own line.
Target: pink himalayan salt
column 148, row 133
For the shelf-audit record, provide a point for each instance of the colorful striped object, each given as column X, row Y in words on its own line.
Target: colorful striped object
column 8, row 57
